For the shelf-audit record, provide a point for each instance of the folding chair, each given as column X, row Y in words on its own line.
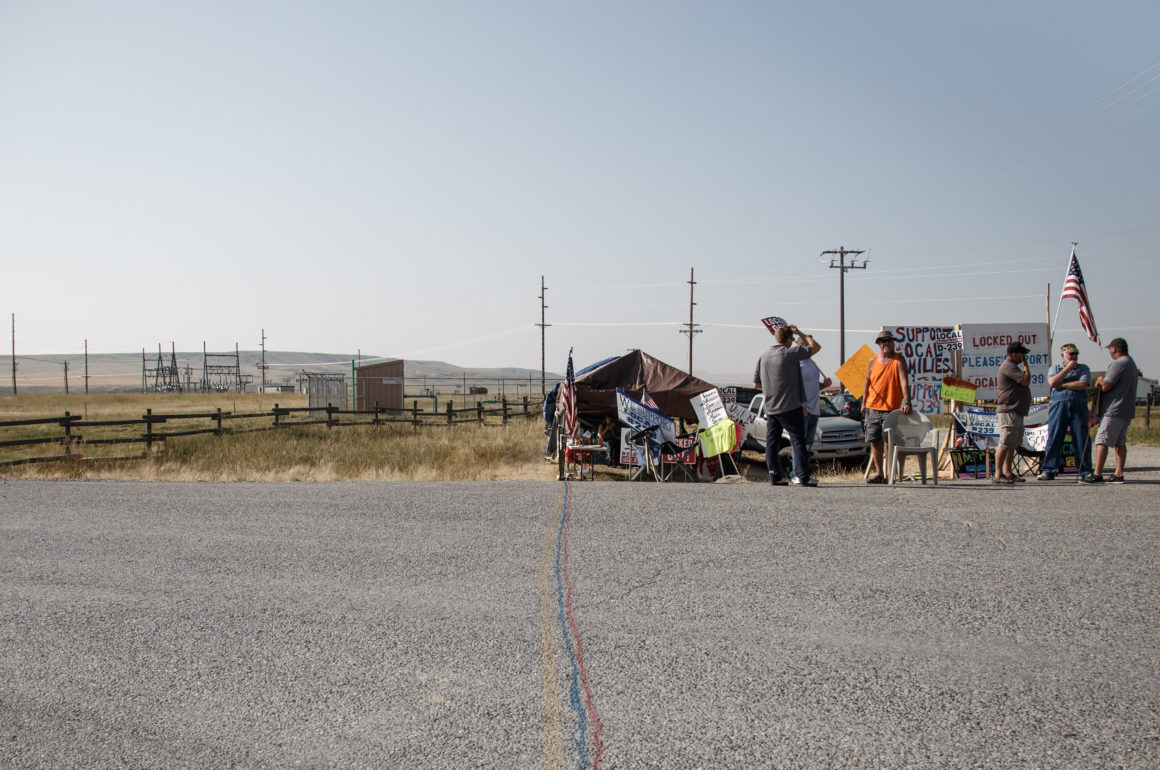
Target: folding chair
column 683, row 457
column 640, row 441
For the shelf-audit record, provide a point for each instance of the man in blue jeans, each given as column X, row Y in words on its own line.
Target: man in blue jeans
column 779, row 375
column 1069, row 381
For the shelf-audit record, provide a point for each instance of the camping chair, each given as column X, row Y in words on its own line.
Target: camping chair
column 683, row 457
column 640, row 440
column 1027, row 460
column 910, row 434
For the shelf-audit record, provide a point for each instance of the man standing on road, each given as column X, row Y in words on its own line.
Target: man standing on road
column 1118, row 407
column 1013, row 404
column 1069, row 381
column 779, row 375
column 813, row 381
column 887, row 389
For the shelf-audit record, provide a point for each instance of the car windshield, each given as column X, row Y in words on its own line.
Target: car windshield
column 828, row 408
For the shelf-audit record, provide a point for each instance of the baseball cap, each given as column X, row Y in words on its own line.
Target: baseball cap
column 1017, row 347
column 1068, row 347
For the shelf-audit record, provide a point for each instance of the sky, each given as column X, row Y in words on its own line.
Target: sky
column 396, row 179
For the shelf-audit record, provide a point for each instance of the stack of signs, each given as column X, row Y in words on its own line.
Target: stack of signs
column 718, row 433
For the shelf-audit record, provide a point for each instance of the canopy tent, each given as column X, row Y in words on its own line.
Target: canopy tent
column 633, row 373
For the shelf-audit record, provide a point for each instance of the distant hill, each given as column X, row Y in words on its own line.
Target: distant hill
column 123, row 371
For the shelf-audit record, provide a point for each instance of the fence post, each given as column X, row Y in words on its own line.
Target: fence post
column 450, row 413
column 67, row 434
column 525, row 406
column 415, row 411
column 218, row 418
column 275, row 414
column 330, row 415
column 148, row 429
column 504, row 408
column 376, row 419
column 479, row 412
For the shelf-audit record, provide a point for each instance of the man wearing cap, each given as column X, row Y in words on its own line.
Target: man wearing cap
column 1069, row 380
column 1012, row 403
column 887, row 388
column 1117, row 407
column 779, row 375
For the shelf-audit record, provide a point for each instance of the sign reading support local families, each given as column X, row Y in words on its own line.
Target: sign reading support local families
column 985, row 348
column 929, row 358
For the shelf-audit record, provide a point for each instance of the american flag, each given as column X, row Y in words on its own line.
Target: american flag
column 1074, row 288
column 566, row 404
column 647, row 400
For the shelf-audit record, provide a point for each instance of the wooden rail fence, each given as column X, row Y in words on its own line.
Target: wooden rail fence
column 72, row 444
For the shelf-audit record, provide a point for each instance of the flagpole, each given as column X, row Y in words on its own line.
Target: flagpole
column 1050, row 328
column 1051, row 334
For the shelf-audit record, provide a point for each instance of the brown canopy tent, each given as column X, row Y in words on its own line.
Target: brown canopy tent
column 633, row 372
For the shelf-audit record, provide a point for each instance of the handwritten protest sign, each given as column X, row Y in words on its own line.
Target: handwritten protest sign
column 709, row 408
column 954, row 389
column 928, row 360
column 985, row 348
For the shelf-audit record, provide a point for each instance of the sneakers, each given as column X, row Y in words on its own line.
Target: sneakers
column 779, row 482
column 810, row 482
column 1045, row 476
column 1114, row 479
column 876, row 480
column 1092, row 478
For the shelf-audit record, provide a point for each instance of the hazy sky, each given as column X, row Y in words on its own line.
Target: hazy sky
column 395, row 177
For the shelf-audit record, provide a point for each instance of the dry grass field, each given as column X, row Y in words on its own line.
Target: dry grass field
column 386, row 452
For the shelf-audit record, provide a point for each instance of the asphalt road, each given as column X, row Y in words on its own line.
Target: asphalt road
column 612, row 625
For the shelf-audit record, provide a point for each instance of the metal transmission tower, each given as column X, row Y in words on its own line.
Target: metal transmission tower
column 162, row 378
column 263, row 366
column 691, row 328
column 841, row 253
column 223, row 377
column 543, row 345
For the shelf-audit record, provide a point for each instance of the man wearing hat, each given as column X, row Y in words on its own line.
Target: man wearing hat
column 1069, row 380
column 1117, row 407
column 1012, row 403
column 887, row 388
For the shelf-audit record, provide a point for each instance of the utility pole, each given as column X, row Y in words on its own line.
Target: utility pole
column 66, row 378
column 14, row 354
column 543, row 343
column 262, row 366
column 691, row 328
column 86, row 367
column 842, row 252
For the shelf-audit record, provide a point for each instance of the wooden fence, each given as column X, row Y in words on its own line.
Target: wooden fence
column 63, row 431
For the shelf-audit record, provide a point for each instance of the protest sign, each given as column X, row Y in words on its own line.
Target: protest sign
column 709, row 408
column 637, row 417
column 928, row 360
column 954, row 389
column 985, row 349
column 773, row 323
column 852, row 374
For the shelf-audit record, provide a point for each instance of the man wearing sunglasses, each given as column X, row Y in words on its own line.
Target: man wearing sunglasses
column 1069, row 381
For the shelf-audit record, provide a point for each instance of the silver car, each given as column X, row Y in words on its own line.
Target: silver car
column 837, row 437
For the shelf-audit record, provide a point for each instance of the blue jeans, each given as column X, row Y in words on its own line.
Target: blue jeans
column 1062, row 415
column 794, row 424
column 811, row 431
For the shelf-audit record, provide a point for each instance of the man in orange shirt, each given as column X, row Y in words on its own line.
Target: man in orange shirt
column 887, row 388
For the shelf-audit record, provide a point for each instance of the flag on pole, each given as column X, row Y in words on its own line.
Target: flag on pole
column 566, row 404
column 647, row 400
column 1073, row 288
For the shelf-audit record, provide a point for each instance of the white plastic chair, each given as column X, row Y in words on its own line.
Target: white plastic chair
column 910, row 434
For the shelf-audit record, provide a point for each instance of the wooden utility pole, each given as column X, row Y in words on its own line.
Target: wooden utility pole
column 842, row 252
column 66, row 378
column 262, row 366
column 86, row 367
column 691, row 328
column 14, row 354
column 543, row 344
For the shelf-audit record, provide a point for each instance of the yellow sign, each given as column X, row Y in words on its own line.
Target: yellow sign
column 852, row 374
column 954, row 389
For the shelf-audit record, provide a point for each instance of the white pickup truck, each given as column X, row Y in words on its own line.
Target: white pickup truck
column 837, row 437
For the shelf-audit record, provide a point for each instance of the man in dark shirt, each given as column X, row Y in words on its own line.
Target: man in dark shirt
column 779, row 375
column 1013, row 404
column 1118, row 407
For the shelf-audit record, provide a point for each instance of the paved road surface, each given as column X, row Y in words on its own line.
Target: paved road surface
column 583, row 625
